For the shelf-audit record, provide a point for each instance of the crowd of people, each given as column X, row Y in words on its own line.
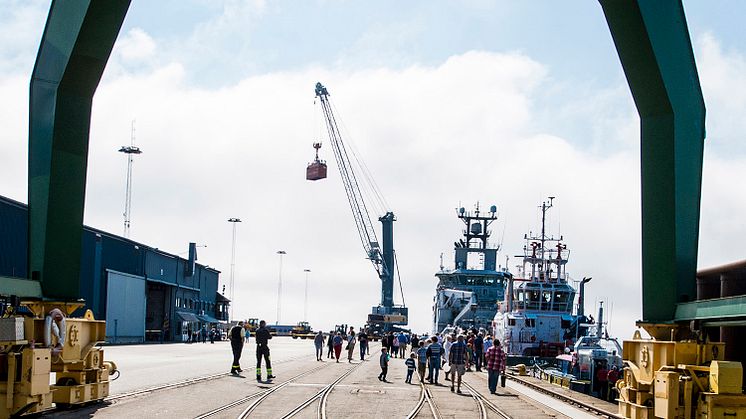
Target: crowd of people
column 454, row 354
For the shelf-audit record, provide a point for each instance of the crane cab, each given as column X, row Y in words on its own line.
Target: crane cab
column 316, row 170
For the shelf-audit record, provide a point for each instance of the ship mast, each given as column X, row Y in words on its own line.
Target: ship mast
column 544, row 208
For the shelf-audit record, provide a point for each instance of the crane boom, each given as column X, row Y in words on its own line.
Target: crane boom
column 385, row 315
column 352, row 188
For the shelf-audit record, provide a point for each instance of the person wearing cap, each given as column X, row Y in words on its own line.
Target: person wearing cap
column 262, row 350
column 236, row 337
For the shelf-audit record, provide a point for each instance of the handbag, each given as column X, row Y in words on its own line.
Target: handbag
column 502, row 380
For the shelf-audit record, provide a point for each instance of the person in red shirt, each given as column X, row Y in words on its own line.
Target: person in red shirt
column 602, row 380
column 495, row 358
column 612, row 378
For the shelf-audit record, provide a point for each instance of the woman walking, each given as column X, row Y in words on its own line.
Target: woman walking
column 350, row 344
column 338, row 345
column 330, row 344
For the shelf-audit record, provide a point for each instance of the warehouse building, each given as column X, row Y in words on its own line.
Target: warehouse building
column 143, row 293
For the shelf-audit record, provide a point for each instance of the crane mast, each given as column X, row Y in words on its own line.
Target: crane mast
column 382, row 258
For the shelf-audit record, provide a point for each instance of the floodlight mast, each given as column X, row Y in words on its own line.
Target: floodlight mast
column 130, row 151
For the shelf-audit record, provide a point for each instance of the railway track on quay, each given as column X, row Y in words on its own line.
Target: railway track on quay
column 257, row 396
column 564, row 398
column 322, row 396
column 426, row 398
column 182, row 383
column 484, row 403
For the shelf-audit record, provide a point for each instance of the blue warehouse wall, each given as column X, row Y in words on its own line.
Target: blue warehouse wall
column 13, row 238
column 102, row 252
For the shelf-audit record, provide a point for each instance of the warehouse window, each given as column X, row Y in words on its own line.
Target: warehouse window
column 178, row 300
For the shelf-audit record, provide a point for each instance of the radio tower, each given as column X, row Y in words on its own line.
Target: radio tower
column 130, row 151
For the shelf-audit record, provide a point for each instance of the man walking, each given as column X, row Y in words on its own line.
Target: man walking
column 363, row 338
column 318, row 341
column 236, row 337
column 421, row 360
column 262, row 350
column 457, row 361
column 478, row 352
column 434, row 353
column 495, row 365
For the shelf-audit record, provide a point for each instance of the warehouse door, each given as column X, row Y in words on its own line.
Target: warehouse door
column 156, row 311
column 125, row 308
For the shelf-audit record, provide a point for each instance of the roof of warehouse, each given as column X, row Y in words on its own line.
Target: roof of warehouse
column 105, row 233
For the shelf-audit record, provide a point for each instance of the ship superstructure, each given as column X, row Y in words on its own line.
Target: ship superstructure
column 467, row 295
column 537, row 317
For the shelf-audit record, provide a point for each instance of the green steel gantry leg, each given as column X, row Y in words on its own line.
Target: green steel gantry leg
column 652, row 39
column 75, row 47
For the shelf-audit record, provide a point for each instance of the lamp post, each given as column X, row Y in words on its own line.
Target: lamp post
column 305, row 297
column 279, row 287
column 233, row 221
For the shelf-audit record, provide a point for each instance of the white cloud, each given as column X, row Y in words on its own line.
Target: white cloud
column 135, row 47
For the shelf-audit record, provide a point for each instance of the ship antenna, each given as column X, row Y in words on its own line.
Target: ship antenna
column 544, row 207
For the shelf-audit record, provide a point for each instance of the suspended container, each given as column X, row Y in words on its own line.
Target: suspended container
column 316, row 170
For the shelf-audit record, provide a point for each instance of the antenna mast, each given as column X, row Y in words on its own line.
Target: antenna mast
column 130, row 151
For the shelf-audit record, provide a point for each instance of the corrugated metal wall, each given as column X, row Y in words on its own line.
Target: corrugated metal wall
column 125, row 313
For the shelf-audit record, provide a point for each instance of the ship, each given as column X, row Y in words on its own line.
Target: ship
column 466, row 296
column 538, row 316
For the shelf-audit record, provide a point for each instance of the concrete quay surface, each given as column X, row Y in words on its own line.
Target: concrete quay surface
column 348, row 390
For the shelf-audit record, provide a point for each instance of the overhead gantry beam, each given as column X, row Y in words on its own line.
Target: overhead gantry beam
column 76, row 44
column 652, row 39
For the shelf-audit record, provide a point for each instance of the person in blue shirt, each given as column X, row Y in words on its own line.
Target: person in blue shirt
column 384, row 362
column 457, row 361
column 434, row 353
column 410, row 362
column 421, row 360
column 402, row 344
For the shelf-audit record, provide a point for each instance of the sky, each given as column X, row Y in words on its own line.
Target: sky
column 448, row 103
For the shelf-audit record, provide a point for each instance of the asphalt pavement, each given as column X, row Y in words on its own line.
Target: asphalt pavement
column 149, row 365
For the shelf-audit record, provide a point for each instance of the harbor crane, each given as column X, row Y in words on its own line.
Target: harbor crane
column 386, row 315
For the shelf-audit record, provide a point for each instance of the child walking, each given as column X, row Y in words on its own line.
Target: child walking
column 410, row 367
column 384, row 360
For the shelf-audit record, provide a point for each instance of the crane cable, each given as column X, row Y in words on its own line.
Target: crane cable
column 370, row 185
column 401, row 289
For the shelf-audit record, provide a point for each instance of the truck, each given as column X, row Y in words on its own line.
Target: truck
column 302, row 330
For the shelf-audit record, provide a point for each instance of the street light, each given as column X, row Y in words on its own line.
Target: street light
column 233, row 221
column 305, row 299
column 279, row 287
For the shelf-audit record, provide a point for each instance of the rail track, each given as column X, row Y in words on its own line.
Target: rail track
column 589, row 407
column 484, row 403
column 322, row 396
column 257, row 397
column 425, row 398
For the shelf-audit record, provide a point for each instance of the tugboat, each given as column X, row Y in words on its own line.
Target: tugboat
column 536, row 319
column 466, row 296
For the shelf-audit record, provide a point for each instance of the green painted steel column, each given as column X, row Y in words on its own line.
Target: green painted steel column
column 652, row 39
column 75, row 47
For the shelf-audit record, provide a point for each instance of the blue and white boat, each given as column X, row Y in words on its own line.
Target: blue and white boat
column 466, row 296
column 539, row 315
